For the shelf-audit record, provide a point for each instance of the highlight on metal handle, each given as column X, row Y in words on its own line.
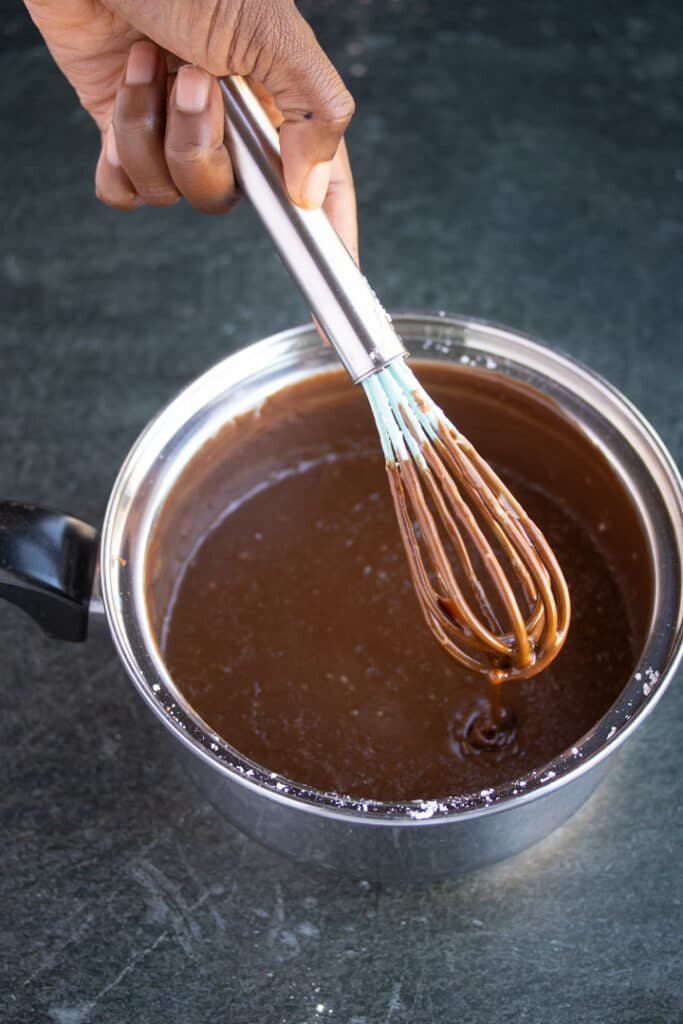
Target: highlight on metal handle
column 337, row 292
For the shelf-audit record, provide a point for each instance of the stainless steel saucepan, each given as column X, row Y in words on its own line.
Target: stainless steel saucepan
column 72, row 581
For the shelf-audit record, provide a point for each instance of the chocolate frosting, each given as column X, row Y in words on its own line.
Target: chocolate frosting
column 280, row 598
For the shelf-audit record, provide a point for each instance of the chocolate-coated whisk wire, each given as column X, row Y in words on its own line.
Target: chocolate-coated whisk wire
column 505, row 611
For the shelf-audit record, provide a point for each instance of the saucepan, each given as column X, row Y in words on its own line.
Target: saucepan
column 75, row 581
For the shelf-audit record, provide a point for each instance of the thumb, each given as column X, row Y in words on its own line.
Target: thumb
column 315, row 104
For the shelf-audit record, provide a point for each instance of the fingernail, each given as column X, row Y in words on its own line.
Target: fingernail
column 142, row 64
column 192, row 89
column 111, row 149
column 316, row 184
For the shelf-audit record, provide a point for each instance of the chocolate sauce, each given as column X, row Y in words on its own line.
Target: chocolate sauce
column 279, row 592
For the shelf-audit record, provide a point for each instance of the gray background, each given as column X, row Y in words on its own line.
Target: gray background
column 515, row 161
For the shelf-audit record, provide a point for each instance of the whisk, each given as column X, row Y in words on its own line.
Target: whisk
column 487, row 582
column 499, row 603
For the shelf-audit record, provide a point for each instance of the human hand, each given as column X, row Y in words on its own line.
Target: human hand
column 162, row 122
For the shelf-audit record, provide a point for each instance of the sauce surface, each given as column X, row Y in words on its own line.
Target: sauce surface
column 291, row 626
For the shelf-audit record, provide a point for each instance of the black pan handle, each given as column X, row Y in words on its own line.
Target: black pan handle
column 47, row 567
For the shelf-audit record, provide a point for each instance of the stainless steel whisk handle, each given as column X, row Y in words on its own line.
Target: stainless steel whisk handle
column 337, row 292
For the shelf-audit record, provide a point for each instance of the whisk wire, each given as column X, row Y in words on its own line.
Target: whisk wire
column 442, row 488
column 409, row 403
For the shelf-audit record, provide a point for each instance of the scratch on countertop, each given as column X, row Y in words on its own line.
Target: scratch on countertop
column 395, row 1003
column 167, row 905
column 278, row 935
column 50, row 961
column 80, row 1014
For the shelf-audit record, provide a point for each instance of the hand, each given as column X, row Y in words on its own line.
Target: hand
column 162, row 123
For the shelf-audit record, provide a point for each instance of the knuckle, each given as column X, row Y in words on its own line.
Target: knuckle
column 338, row 103
column 179, row 152
column 136, row 123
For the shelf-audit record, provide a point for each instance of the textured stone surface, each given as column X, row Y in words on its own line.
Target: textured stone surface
column 521, row 162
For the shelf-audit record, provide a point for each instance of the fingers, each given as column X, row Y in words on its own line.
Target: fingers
column 340, row 202
column 112, row 184
column 139, row 125
column 269, row 41
column 197, row 160
column 163, row 145
column 273, row 45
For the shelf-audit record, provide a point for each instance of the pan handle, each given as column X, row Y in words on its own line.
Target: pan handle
column 47, row 567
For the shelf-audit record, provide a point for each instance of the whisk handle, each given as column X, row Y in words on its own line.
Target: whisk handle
column 337, row 292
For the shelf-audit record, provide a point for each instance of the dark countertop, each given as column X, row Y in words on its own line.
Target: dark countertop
column 521, row 162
